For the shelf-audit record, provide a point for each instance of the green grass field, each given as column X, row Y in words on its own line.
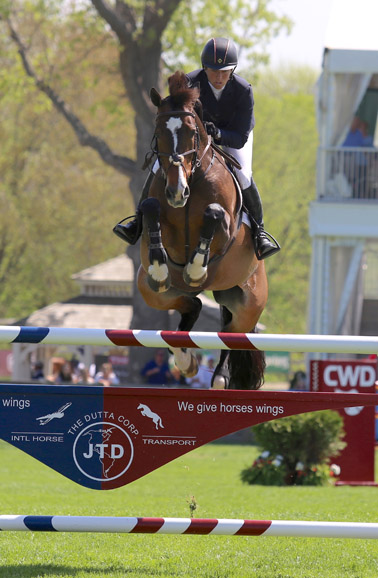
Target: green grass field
column 211, row 475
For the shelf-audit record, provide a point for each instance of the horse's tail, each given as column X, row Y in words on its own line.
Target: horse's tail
column 246, row 369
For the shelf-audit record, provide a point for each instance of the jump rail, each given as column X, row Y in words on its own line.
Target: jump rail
column 214, row 527
column 190, row 339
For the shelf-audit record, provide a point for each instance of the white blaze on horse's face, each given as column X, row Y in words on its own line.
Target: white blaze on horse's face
column 176, row 192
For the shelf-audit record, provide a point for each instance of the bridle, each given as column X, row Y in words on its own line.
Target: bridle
column 177, row 159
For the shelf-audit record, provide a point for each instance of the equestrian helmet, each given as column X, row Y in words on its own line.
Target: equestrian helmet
column 219, row 54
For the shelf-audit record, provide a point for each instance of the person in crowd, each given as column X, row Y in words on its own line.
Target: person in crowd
column 205, row 373
column 62, row 374
column 106, row 375
column 37, row 373
column 299, row 381
column 228, row 114
column 156, row 371
column 83, row 377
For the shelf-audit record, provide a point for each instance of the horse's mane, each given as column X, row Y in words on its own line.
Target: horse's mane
column 181, row 93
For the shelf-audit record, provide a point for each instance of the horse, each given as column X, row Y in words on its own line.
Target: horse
column 194, row 238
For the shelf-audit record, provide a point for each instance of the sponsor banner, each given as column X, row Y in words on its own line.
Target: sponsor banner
column 107, row 437
column 357, row 459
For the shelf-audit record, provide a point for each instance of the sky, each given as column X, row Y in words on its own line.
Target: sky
column 320, row 23
column 305, row 44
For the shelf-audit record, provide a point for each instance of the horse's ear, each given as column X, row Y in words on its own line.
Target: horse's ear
column 155, row 97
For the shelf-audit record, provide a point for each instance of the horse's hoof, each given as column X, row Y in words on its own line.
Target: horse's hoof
column 185, row 362
column 194, row 282
column 219, row 382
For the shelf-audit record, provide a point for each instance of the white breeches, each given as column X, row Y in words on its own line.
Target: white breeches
column 244, row 156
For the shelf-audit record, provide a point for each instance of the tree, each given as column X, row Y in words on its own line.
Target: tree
column 285, row 145
column 149, row 36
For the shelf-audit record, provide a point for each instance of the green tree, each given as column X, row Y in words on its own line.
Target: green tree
column 49, row 229
column 284, row 161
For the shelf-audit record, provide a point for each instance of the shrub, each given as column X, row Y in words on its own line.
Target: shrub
column 296, row 450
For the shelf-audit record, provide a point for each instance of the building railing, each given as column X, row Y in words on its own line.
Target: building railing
column 347, row 173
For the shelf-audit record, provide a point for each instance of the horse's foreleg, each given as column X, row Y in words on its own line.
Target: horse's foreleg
column 195, row 272
column 158, row 275
column 189, row 309
column 185, row 361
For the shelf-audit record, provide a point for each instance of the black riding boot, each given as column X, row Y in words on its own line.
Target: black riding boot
column 131, row 232
column 265, row 244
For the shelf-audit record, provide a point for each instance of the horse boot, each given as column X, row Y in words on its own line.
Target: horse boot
column 131, row 232
column 265, row 244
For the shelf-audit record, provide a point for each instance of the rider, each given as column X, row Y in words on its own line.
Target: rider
column 227, row 102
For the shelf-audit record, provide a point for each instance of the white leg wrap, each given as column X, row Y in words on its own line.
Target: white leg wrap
column 185, row 361
column 158, row 272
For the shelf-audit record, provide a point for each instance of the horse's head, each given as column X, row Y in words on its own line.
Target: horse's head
column 178, row 133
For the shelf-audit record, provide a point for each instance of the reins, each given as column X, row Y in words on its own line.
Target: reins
column 177, row 159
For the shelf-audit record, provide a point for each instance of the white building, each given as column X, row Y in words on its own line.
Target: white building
column 344, row 217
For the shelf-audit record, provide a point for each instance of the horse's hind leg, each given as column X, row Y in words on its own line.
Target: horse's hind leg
column 241, row 309
column 195, row 272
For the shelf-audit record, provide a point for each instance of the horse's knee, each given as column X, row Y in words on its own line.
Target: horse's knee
column 150, row 209
column 212, row 216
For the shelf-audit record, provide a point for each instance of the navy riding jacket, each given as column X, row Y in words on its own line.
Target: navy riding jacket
column 232, row 113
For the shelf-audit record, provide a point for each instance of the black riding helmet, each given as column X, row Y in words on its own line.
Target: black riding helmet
column 219, row 54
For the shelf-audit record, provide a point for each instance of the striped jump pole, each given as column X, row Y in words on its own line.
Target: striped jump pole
column 196, row 526
column 191, row 339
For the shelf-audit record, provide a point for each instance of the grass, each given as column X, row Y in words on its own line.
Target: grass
column 211, row 475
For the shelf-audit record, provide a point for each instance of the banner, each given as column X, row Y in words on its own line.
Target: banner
column 107, row 437
column 357, row 459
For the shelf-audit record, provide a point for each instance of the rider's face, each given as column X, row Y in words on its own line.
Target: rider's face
column 218, row 78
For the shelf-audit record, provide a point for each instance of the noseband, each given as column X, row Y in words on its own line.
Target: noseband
column 177, row 159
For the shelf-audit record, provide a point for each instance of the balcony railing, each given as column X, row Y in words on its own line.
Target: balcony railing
column 347, row 173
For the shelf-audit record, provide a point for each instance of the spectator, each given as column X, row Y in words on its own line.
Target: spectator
column 156, row 371
column 62, row 374
column 37, row 373
column 106, row 375
column 83, row 377
column 299, row 382
column 205, row 373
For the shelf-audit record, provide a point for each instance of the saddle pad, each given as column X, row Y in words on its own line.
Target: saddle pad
column 245, row 219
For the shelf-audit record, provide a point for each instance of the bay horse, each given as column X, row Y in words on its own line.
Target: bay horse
column 194, row 238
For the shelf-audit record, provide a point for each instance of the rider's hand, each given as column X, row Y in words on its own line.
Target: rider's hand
column 212, row 130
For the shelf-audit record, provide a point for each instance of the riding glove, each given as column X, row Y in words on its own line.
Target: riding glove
column 212, row 130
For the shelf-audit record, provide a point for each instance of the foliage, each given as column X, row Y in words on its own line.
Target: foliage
column 56, row 211
column 284, row 162
column 296, row 450
column 251, row 23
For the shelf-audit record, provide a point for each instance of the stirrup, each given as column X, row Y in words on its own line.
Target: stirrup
column 269, row 251
column 128, row 236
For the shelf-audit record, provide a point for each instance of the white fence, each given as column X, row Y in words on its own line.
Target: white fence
column 348, row 173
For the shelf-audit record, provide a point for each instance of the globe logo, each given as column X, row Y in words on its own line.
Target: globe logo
column 103, row 451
